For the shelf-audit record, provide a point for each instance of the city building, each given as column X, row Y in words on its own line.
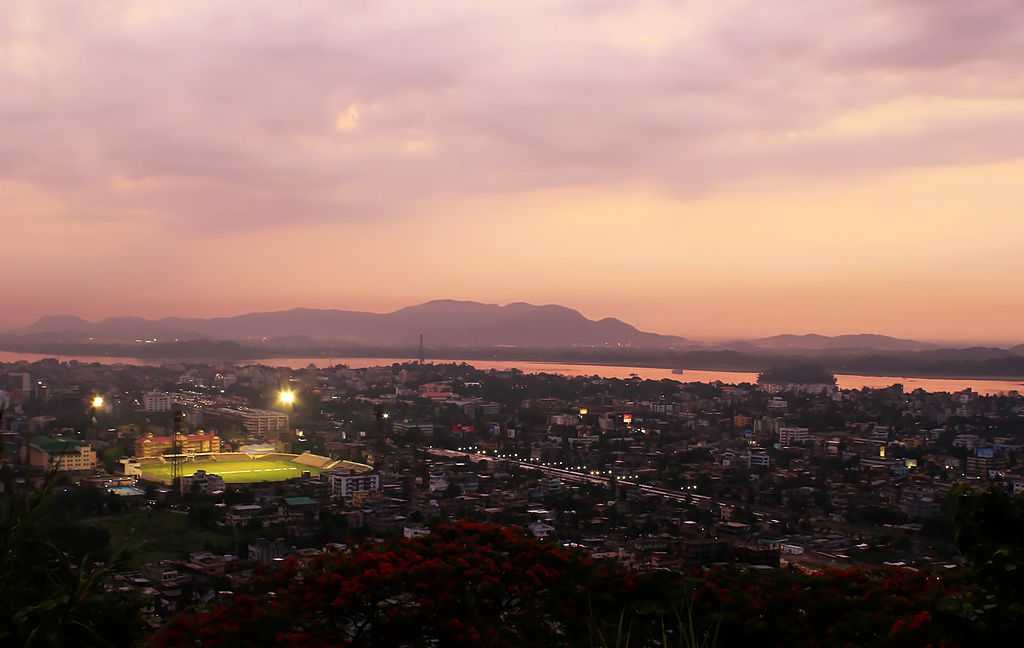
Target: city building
column 202, row 482
column 759, row 459
column 412, row 531
column 438, row 482
column 969, row 441
column 564, row 420
column 263, row 424
column 301, row 510
column 424, row 429
column 19, row 382
column 540, row 530
column 242, row 514
column 984, row 467
column 55, row 453
column 436, row 391
column 793, row 435
column 798, row 388
column 155, row 401
column 263, row 550
column 346, row 483
column 150, row 445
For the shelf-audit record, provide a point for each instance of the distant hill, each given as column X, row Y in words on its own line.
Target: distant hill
column 443, row 323
column 1019, row 349
column 859, row 342
column 120, row 328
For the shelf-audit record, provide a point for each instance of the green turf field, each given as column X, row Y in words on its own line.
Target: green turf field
column 234, row 471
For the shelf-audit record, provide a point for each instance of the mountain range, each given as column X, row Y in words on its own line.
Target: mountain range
column 857, row 342
column 441, row 322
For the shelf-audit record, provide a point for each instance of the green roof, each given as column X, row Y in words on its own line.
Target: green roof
column 299, row 501
column 55, row 444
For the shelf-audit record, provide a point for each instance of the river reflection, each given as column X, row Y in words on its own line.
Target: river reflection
column 845, row 381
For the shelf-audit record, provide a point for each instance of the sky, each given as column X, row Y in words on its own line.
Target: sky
column 711, row 168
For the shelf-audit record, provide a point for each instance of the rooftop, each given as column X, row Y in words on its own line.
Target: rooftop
column 299, row 501
column 56, row 444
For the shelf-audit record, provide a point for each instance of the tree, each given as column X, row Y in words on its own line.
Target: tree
column 988, row 527
column 203, row 514
column 471, row 584
column 800, row 373
column 52, row 593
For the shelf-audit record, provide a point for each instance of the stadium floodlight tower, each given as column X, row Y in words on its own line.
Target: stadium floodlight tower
column 5, row 402
column 179, row 429
column 287, row 398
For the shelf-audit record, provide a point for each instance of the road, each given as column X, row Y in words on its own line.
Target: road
column 580, row 477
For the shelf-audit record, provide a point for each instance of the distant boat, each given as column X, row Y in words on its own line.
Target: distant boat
column 678, row 372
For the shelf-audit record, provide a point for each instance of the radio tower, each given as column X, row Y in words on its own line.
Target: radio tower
column 423, row 359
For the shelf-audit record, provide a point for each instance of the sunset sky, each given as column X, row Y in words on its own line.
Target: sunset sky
column 711, row 168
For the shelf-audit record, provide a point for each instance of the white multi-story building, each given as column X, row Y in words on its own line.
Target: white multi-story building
column 155, row 401
column 411, row 531
column 792, row 435
column 798, row 388
column 263, row 424
column 202, row 482
column 345, row 484
column 969, row 441
column 759, row 460
column 426, row 429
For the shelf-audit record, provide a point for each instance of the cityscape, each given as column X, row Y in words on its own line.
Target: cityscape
column 534, row 324
column 193, row 479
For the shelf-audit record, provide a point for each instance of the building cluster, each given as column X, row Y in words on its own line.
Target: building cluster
column 654, row 474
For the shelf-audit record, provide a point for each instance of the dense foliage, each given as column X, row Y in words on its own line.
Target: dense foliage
column 463, row 585
column 801, row 373
column 472, row 584
column 52, row 590
column 476, row 584
column 989, row 531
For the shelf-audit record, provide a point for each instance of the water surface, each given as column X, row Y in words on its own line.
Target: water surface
column 845, row 381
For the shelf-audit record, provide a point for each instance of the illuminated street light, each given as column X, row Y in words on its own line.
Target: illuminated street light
column 97, row 402
column 286, row 397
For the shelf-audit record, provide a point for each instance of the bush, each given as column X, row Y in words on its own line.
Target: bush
column 473, row 584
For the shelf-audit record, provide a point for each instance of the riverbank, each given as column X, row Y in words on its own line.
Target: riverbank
column 605, row 370
column 691, row 360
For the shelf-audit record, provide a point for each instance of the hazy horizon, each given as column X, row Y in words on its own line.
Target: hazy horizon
column 696, row 338
column 721, row 170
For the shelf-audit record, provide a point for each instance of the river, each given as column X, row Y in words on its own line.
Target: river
column 845, row 381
